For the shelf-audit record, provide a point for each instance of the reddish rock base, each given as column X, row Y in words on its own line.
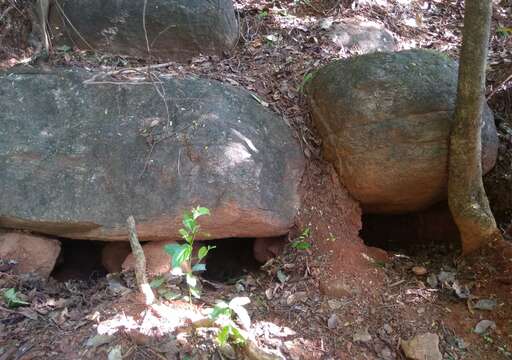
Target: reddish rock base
column 32, row 254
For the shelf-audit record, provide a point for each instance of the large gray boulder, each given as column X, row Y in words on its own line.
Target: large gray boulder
column 176, row 29
column 78, row 159
column 385, row 121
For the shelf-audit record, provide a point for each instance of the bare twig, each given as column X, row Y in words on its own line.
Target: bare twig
column 6, row 11
column 144, row 26
column 140, row 263
column 61, row 10
column 497, row 88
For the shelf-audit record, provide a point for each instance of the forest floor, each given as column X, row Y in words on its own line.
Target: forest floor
column 417, row 289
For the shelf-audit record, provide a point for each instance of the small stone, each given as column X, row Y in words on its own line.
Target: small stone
column 29, row 253
column 419, row 270
column 297, row 297
column 422, row 347
column 334, row 304
column 269, row 294
column 386, row 354
column 362, row 335
column 484, row 326
column 421, row 310
column 485, row 304
column 432, row 281
column 387, row 328
column 462, row 291
column 228, row 351
column 115, row 354
column 446, row 276
column 332, row 322
column 99, row 340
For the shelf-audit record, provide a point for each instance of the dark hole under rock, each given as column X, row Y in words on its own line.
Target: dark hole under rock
column 79, row 260
column 412, row 232
column 230, row 260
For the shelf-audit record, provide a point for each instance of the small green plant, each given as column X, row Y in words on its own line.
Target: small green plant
column 224, row 312
column 262, row 14
column 301, row 243
column 504, row 32
column 182, row 254
column 307, row 78
column 11, row 298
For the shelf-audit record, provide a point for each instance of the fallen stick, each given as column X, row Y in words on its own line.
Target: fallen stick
column 140, row 263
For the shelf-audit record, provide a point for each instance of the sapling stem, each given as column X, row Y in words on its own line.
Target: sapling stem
column 140, row 263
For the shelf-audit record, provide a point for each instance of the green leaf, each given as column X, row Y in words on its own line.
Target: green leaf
column 172, row 249
column 12, row 299
column 301, row 245
column 200, row 211
column 184, row 234
column 262, row 14
column 199, row 267
column 157, row 282
column 223, row 335
column 181, row 253
column 221, row 308
column 203, row 251
column 503, row 31
column 189, row 222
column 238, row 338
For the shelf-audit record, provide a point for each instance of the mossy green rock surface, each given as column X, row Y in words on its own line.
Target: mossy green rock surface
column 385, row 121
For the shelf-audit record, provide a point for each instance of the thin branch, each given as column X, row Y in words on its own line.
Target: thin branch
column 497, row 88
column 73, row 26
column 140, row 263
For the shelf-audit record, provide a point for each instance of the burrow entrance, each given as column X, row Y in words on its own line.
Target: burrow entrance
column 79, row 260
column 231, row 259
column 412, row 233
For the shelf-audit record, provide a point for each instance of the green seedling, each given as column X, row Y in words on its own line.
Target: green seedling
column 11, row 298
column 262, row 14
column 504, row 32
column 307, row 78
column 301, row 243
column 224, row 312
column 183, row 262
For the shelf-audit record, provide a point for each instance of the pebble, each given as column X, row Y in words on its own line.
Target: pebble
column 419, row 270
column 483, row 326
column 334, row 304
column 332, row 322
column 388, row 329
column 485, row 304
column 422, row 347
column 386, row 354
column 432, row 281
column 362, row 335
column 99, row 340
column 446, row 276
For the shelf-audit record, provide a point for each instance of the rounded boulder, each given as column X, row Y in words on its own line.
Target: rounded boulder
column 385, row 121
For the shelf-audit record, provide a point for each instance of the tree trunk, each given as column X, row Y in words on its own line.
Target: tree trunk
column 466, row 195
